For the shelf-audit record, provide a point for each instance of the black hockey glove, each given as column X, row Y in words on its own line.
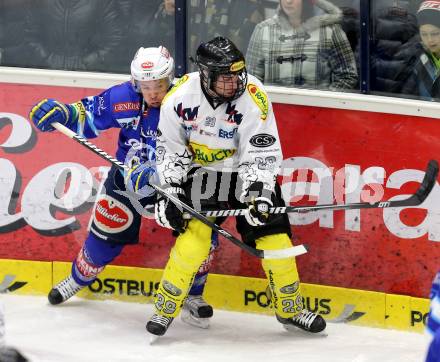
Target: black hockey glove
column 258, row 198
column 167, row 213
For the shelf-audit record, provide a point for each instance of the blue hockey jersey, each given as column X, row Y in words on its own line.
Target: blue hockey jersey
column 433, row 324
column 119, row 107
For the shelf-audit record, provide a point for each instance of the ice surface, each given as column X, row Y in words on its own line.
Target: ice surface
column 86, row 330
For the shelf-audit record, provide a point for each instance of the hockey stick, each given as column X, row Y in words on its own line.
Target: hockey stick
column 262, row 254
column 416, row 199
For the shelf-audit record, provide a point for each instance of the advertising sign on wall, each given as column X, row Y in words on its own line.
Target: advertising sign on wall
column 48, row 185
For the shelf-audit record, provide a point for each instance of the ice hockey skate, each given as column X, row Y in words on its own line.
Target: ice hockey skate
column 196, row 311
column 305, row 320
column 158, row 325
column 64, row 290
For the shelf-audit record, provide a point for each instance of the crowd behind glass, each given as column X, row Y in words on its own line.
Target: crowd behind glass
column 289, row 43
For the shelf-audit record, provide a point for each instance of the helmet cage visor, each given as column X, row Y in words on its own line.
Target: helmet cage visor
column 209, row 76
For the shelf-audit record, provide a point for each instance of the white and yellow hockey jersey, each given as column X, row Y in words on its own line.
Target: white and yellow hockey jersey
column 239, row 136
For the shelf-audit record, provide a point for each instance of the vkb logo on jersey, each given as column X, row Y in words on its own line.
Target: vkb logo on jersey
column 187, row 114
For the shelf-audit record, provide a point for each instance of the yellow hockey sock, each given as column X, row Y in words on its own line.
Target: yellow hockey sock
column 283, row 277
column 191, row 249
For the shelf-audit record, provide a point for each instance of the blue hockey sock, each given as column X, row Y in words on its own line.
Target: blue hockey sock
column 95, row 254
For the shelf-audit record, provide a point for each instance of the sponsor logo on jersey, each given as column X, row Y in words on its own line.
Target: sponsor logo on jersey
column 177, row 85
column 147, row 65
column 233, row 115
column 190, row 127
column 128, row 122
column 262, row 140
column 81, row 111
column 205, row 133
column 210, row 121
column 267, row 163
column 101, row 106
column 126, row 106
column 187, row 114
column 204, row 155
column 226, row 133
column 111, row 215
column 235, row 67
column 171, row 288
column 290, row 289
column 260, row 99
column 148, row 133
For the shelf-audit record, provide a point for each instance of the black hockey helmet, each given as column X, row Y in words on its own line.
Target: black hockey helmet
column 220, row 56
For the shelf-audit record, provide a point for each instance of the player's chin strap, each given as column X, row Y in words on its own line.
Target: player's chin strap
column 416, row 199
column 263, row 254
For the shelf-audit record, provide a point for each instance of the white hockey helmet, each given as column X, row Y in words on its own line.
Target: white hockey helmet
column 152, row 64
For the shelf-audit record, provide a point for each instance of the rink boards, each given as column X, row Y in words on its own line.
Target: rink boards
column 233, row 293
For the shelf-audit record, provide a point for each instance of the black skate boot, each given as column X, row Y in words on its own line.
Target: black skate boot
column 11, row 354
column 158, row 324
column 196, row 311
column 64, row 290
column 305, row 320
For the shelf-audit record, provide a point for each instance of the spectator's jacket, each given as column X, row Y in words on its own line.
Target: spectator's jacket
column 315, row 55
column 73, row 34
column 394, row 35
column 424, row 79
column 118, row 107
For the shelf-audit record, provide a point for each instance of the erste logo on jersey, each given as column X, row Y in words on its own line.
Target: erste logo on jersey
column 111, row 215
column 260, row 99
column 227, row 134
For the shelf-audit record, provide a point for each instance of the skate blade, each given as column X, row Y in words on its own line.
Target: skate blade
column 153, row 338
column 301, row 332
column 188, row 318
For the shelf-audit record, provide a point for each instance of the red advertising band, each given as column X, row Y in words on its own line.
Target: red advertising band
column 416, row 199
column 262, row 254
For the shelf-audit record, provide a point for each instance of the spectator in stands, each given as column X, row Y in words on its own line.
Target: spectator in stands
column 350, row 20
column 394, row 34
column 230, row 18
column 424, row 80
column 145, row 23
column 13, row 46
column 296, row 48
column 73, row 34
column 244, row 16
column 162, row 25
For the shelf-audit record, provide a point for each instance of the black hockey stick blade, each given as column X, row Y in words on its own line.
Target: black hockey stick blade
column 428, row 183
column 263, row 254
column 426, row 186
